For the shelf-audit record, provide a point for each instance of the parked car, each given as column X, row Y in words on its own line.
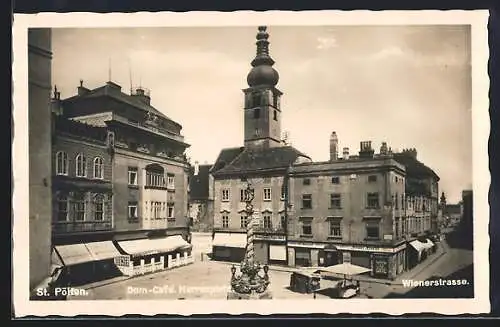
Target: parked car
column 304, row 282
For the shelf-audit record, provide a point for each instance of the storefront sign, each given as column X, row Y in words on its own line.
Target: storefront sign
column 306, row 245
column 370, row 248
column 262, row 237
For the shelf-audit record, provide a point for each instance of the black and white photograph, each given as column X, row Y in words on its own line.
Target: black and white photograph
column 245, row 157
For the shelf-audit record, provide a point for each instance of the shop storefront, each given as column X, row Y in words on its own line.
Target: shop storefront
column 229, row 246
column 303, row 254
column 420, row 250
column 143, row 256
column 270, row 249
column 383, row 262
column 87, row 262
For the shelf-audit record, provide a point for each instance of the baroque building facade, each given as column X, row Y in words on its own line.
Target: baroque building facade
column 120, row 180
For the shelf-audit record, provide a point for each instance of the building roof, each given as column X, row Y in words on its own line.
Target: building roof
column 245, row 160
column 79, row 129
column 346, row 165
column 199, row 184
column 113, row 90
column 414, row 168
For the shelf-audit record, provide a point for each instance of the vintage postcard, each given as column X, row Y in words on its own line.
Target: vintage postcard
column 274, row 162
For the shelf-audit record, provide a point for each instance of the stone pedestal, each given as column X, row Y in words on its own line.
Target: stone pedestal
column 232, row 295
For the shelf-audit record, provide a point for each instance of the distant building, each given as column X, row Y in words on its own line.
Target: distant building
column 201, row 198
column 39, row 124
column 421, row 194
column 120, row 180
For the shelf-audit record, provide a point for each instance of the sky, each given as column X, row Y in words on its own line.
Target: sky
column 409, row 86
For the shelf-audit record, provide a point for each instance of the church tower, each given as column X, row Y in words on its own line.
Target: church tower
column 262, row 99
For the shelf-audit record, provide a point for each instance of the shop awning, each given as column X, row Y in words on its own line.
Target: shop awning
column 232, row 240
column 73, row 254
column 102, row 250
column 153, row 245
column 419, row 246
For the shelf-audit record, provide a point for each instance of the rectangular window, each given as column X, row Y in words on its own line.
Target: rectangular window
column 306, row 201
column 170, row 210
column 372, row 200
column 225, row 195
column 62, row 208
column 372, row 229
column 396, row 227
column 306, row 181
column 171, row 181
column 99, row 208
column 243, row 221
column 132, row 176
column 283, row 192
column 336, row 180
column 225, row 221
column 372, row 178
column 335, row 201
column 132, row 210
column 242, row 196
column 267, row 194
column 275, row 115
column 307, row 227
column 283, row 222
column 79, row 209
column 396, row 201
column 335, row 228
column 156, row 210
column 267, row 222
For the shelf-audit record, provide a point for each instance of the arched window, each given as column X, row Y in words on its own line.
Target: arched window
column 81, row 165
column 98, row 168
column 61, row 163
column 62, row 207
column 99, row 207
column 155, row 176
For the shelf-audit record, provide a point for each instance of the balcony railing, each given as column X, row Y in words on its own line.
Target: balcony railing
column 155, row 223
column 81, row 227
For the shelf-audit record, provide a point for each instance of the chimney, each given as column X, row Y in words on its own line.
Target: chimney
column 345, row 153
column 142, row 94
column 365, row 149
column 81, row 89
column 196, row 168
column 334, row 142
column 384, row 149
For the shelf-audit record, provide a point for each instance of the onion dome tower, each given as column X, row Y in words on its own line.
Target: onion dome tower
column 262, row 99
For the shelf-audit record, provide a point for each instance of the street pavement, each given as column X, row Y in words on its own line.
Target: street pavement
column 200, row 280
column 206, row 279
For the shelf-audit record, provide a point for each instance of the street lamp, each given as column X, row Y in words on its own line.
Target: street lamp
column 249, row 283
